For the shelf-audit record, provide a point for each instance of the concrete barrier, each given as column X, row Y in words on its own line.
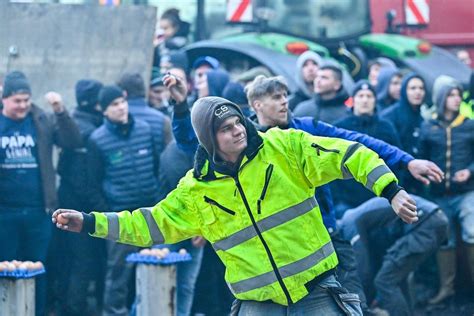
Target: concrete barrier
column 17, row 297
column 55, row 44
column 156, row 290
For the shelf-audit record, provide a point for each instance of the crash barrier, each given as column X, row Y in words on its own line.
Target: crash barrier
column 17, row 287
column 156, row 280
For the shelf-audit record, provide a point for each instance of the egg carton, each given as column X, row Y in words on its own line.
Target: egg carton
column 21, row 274
column 171, row 258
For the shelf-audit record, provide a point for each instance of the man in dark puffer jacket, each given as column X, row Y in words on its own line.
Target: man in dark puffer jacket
column 122, row 161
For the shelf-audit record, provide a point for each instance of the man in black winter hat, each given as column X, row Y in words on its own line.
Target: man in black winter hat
column 27, row 176
column 78, row 258
column 122, row 164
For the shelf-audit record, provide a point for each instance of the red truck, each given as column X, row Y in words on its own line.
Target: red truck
column 445, row 23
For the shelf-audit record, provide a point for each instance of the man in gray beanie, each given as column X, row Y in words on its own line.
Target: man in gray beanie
column 248, row 195
column 209, row 117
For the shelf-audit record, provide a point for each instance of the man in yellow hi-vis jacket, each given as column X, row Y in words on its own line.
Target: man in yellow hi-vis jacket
column 251, row 196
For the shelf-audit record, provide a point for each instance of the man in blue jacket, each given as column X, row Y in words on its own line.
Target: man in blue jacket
column 268, row 98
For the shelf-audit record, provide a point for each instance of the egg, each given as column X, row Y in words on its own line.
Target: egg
column 3, row 266
column 182, row 251
column 16, row 263
column 62, row 220
column 10, row 267
column 146, row 252
column 36, row 266
column 23, row 266
column 158, row 253
column 29, row 265
column 165, row 251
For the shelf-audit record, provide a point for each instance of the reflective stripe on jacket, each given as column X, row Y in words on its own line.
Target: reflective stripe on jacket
column 264, row 224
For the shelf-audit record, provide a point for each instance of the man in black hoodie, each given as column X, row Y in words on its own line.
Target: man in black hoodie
column 75, row 261
column 307, row 66
column 328, row 103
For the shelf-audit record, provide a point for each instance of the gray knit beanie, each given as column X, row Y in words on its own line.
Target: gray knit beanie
column 207, row 114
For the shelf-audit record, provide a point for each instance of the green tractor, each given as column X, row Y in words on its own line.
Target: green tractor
column 337, row 29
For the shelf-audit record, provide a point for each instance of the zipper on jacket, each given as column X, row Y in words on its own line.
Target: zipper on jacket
column 268, row 175
column 212, row 202
column 320, row 148
column 259, row 233
column 448, row 160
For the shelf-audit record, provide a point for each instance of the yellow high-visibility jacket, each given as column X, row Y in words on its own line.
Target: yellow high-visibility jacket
column 264, row 223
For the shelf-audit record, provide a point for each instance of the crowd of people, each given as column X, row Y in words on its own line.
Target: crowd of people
column 315, row 190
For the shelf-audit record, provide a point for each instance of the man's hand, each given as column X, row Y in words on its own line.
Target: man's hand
column 198, row 241
column 462, row 175
column 425, row 171
column 55, row 100
column 176, row 86
column 405, row 207
column 69, row 220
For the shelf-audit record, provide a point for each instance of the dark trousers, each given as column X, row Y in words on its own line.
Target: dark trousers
column 119, row 279
column 212, row 296
column 25, row 236
column 76, row 260
column 347, row 273
column 408, row 247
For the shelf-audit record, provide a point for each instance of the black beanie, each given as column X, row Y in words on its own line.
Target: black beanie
column 363, row 85
column 108, row 94
column 15, row 83
column 87, row 93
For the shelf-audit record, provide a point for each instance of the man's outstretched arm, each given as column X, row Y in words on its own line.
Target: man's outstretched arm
column 325, row 159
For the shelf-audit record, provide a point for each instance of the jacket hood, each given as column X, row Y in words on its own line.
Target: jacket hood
column 441, row 95
column 217, row 80
column 308, row 55
column 383, row 82
column 438, row 83
column 403, row 92
column 205, row 165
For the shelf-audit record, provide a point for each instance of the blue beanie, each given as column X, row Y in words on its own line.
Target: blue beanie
column 87, row 93
column 206, row 60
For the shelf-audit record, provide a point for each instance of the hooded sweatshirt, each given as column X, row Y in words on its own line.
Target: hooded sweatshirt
column 384, row 100
column 449, row 144
column 217, row 80
column 407, row 121
column 304, row 92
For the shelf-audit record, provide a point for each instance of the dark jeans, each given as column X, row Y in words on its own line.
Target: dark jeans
column 413, row 245
column 77, row 260
column 119, row 279
column 212, row 296
column 25, row 236
column 347, row 273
